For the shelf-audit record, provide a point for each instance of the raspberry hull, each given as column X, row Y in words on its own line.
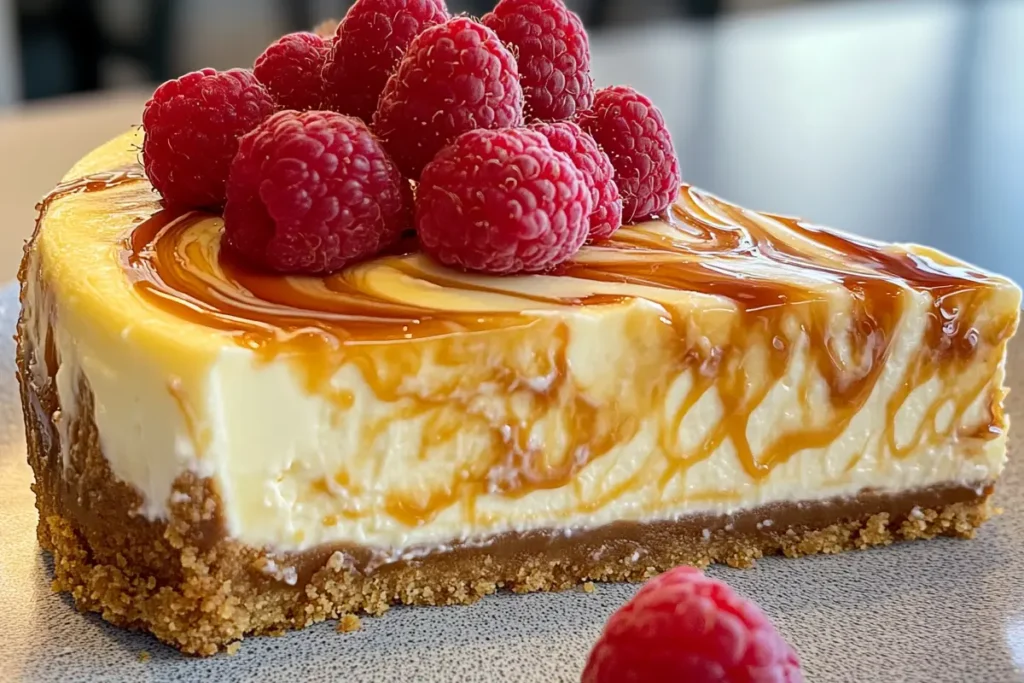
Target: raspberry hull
column 312, row 193
column 502, row 202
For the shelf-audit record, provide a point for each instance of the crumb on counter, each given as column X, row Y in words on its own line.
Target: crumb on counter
column 144, row 656
column 349, row 623
column 589, row 587
column 233, row 648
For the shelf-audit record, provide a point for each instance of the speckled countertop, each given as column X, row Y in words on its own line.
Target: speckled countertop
column 942, row 610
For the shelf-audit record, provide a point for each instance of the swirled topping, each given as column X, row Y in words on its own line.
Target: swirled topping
column 753, row 262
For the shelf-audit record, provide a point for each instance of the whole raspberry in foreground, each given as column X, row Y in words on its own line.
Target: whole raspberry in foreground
column 684, row 626
column 193, row 125
column 369, row 43
column 455, row 77
column 291, row 70
column 633, row 133
column 311, row 193
column 568, row 138
column 502, row 202
column 553, row 53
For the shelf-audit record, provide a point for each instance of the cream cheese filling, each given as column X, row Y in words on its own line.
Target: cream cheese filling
column 348, row 463
column 270, row 446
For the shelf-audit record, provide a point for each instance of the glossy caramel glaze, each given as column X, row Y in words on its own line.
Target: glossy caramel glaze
column 706, row 247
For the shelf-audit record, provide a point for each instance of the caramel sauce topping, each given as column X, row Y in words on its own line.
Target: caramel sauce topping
column 783, row 290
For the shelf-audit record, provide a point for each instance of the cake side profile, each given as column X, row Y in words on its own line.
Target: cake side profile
column 219, row 452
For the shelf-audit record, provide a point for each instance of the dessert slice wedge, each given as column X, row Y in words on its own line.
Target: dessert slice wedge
column 219, row 452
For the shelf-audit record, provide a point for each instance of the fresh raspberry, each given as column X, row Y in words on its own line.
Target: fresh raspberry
column 312, row 192
column 503, row 202
column 368, row 46
column 193, row 125
column 291, row 70
column 684, row 626
column 553, row 52
column 632, row 131
column 568, row 138
column 456, row 77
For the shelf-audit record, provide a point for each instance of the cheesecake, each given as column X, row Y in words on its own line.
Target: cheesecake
column 221, row 452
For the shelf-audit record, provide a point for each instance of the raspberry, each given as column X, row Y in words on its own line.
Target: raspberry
column 632, row 131
column 554, row 55
column 368, row 46
column 291, row 70
column 312, row 192
column 503, row 202
column 456, row 77
column 684, row 626
column 193, row 125
column 568, row 138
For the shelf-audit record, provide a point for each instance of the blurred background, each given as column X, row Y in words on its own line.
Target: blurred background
column 898, row 119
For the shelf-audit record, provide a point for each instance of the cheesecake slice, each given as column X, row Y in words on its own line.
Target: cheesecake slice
column 219, row 452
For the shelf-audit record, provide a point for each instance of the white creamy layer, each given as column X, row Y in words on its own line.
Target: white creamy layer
column 266, row 441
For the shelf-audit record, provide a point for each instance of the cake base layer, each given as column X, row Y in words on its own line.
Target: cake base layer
column 192, row 587
column 211, row 608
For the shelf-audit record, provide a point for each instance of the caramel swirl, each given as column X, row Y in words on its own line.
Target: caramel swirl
column 97, row 182
column 777, row 281
column 759, row 262
column 708, row 247
column 179, row 268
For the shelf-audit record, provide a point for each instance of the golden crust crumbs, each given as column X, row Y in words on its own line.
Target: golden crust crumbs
column 349, row 623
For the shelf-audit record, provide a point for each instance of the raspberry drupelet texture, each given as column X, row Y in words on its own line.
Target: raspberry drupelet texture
column 455, row 77
column 553, row 52
column 685, row 626
column 568, row 138
column 311, row 193
column 502, row 202
column 193, row 125
column 367, row 48
column 291, row 70
column 632, row 131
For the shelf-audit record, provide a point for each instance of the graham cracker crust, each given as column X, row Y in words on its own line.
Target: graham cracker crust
column 197, row 590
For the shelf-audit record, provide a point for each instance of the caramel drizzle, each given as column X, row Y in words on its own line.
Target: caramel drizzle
column 96, row 182
column 708, row 247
